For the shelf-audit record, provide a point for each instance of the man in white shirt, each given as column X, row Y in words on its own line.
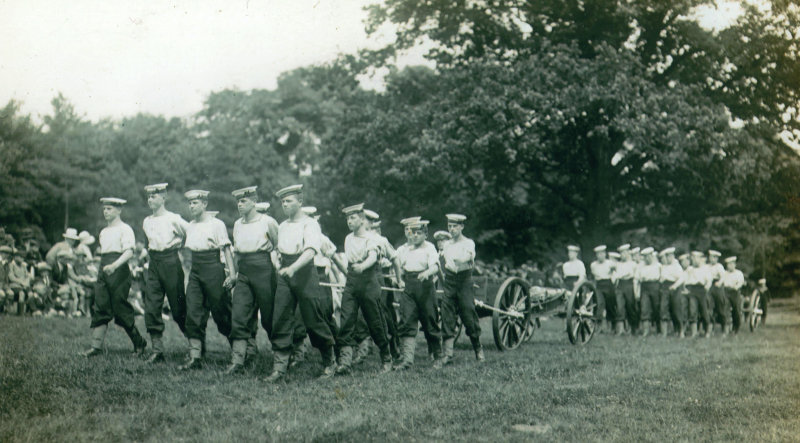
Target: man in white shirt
column 165, row 232
column 698, row 281
column 627, row 306
column 602, row 271
column 717, row 304
column 648, row 276
column 732, row 282
column 671, row 274
column 114, row 280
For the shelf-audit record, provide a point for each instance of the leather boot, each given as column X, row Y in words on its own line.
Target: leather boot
column 345, row 360
column 298, row 354
column 408, row 346
column 619, row 328
column 98, row 337
column 329, row 362
column 386, row 361
column 447, row 351
column 478, row 348
column 238, row 353
column 139, row 343
column 709, row 330
column 251, row 352
column 693, row 330
column 664, row 328
column 195, row 355
column 158, row 349
column 362, row 351
column 280, row 364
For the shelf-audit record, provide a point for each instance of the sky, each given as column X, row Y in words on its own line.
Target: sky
column 115, row 58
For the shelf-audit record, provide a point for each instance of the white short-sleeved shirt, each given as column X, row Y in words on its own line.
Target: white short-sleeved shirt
column 625, row 270
column 259, row 235
column 164, row 231
column 717, row 271
column 207, row 235
column 418, row 259
column 462, row 250
column 602, row 271
column 671, row 272
column 387, row 251
column 117, row 239
column 733, row 280
column 294, row 237
column 574, row 268
column 357, row 249
column 326, row 252
column 649, row 273
column 698, row 275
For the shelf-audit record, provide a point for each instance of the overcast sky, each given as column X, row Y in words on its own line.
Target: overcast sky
column 114, row 58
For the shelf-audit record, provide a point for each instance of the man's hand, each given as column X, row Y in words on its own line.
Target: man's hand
column 230, row 282
column 358, row 268
column 287, row 272
column 401, row 284
column 109, row 269
column 425, row 275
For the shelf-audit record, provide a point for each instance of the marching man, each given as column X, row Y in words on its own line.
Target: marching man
column 299, row 240
column 114, row 280
column 362, row 290
column 254, row 239
column 166, row 233
column 732, row 284
column 648, row 275
column 207, row 291
column 459, row 260
column 602, row 271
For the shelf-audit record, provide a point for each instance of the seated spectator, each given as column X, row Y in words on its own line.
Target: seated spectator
column 69, row 243
column 5, row 292
column 82, row 277
column 64, row 298
column 19, row 281
column 32, row 253
column 41, row 300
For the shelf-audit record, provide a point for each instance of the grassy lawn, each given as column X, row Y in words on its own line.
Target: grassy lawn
column 631, row 389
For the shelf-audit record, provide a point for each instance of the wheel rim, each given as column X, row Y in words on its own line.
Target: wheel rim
column 582, row 314
column 510, row 330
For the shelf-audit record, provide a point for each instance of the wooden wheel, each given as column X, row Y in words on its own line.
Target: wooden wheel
column 512, row 318
column 582, row 314
column 533, row 324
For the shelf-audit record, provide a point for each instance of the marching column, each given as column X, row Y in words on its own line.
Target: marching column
column 114, row 280
column 166, row 233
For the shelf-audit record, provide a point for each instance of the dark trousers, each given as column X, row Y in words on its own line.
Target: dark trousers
column 651, row 301
column 605, row 292
column 254, row 292
column 164, row 277
column 720, row 311
column 362, row 292
column 733, row 298
column 205, row 294
column 698, row 304
column 316, row 309
column 678, row 305
column 458, row 301
column 418, row 305
column 111, row 299
column 627, row 308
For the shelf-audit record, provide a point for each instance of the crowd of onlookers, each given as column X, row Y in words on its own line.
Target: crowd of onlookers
column 39, row 280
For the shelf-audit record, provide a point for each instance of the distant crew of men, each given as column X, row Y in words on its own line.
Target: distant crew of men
column 285, row 275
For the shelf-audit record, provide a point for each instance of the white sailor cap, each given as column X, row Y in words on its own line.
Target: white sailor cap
column 410, row 220
column 684, row 256
column 762, row 281
column 289, row 190
column 309, row 210
column 731, row 259
column 196, row 194
column 625, row 247
column 456, row 218
column 601, row 248
column 648, row 250
column 354, row 209
column 697, row 254
column 113, row 201
column 614, row 255
column 372, row 215
column 573, row 248
column 156, row 188
column 670, row 250
column 249, row 191
column 417, row 223
column 442, row 235
column 262, row 207
column 713, row 253
column 635, row 250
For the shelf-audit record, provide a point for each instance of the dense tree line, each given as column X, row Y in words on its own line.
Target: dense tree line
column 546, row 122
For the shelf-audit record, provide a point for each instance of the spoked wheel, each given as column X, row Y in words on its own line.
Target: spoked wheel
column 510, row 325
column 533, row 324
column 582, row 314
column 755, row 312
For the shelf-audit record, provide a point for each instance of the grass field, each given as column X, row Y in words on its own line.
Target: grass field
column 616, row 389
